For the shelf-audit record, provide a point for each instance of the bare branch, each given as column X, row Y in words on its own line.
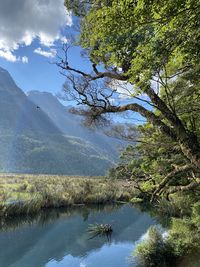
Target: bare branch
column 113, row 74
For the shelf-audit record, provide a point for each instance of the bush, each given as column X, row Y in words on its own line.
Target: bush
column 185, row 232
column 155, row 251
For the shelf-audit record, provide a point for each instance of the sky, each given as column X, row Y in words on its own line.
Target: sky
column 31, row 34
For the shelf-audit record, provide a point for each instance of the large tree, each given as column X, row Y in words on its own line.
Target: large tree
column 150, row 47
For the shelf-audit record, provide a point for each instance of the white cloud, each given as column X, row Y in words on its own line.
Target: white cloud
column 64, row 40
column 124, row 89
column 24, row 59
column 21, row 21
column 9, row 56
column 50, row 54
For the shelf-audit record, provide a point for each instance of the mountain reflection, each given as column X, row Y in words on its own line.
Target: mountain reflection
column 53, row 235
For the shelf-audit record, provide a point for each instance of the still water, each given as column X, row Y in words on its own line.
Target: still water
column 60, row 238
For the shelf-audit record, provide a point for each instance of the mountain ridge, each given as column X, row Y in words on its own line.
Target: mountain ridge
column 43, row 137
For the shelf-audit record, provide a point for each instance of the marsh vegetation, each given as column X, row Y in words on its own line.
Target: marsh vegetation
column 24, row 194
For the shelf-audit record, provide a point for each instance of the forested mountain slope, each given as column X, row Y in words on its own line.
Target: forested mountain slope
column 43, row 137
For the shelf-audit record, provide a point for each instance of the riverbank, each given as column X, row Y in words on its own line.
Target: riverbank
column 26, row 194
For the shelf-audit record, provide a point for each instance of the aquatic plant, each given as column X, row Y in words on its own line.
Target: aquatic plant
column 100, row 230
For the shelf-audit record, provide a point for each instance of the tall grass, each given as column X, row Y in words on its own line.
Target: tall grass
column 26, row 194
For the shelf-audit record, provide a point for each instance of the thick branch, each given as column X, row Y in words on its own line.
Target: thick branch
column 98, row 75
column 188, row 141
column 151, row 117
column 168, row 114
column 156, row 100
column 183, row 188
column 169, row 177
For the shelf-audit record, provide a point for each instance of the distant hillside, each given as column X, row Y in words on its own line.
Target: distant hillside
column 71, row 125
column 18, row 114
column 39, row 135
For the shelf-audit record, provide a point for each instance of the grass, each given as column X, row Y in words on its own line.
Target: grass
column 99, row 230
column 26, row 194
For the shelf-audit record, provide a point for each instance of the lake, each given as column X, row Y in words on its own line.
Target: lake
column 59, row 238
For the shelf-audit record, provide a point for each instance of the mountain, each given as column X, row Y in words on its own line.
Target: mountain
column 18, row 114
column 39, row 135
column 71, row 125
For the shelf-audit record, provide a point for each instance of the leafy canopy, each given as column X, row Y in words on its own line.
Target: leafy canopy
column 141, row 37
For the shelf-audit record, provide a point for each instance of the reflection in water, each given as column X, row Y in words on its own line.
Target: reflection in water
column 60, row 238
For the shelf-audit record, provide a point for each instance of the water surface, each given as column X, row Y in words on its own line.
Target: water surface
column 60, row 238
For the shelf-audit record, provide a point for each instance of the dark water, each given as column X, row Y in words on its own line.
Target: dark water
column 60, row 238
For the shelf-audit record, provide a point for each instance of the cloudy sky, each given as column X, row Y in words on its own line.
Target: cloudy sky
column 31, row 32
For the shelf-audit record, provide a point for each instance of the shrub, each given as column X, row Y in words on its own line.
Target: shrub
column 185, row 232
column 155, row 251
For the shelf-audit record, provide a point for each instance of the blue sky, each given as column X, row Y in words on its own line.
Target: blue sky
column 40, row 72
column 31, row 33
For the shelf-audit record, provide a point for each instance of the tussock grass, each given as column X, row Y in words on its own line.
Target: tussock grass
column 26, row 194
column 99, row 229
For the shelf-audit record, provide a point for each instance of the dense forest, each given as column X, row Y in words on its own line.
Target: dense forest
column 150, row 49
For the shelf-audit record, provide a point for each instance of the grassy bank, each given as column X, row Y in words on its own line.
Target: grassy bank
column 26, row 194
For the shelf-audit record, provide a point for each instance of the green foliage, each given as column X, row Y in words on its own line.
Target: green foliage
column 139, row 36
column 182, row 241
column 155, row 251
column 185, row 233
column 150, row 161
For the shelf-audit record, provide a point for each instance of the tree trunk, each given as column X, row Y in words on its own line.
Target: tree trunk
column 187, row 140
